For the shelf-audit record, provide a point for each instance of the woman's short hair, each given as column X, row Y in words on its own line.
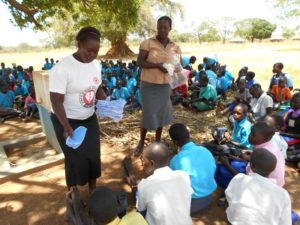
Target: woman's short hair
column 165, row 18
column 88, row 33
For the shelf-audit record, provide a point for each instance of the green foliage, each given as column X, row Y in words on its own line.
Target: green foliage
column 288, row 33
column 225, row 27
column 206, row 32
column 288, row 8
column 182, row 37
column 254, row 29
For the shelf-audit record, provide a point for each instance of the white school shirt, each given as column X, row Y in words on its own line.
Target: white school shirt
column 253, row 199
column 278, row 141
column 79, row 83
column 259, row 105
column 166, row 195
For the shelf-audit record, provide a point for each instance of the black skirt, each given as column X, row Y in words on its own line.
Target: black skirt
column 81, row 164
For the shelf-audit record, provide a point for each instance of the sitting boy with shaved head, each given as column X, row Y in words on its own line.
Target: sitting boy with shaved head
column 165, row 194
column 255, row 198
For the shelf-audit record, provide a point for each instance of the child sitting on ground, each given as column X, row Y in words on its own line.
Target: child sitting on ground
column 250, row 79
column 278, row 123
column 281, row 94
column 30, row 105
column 242, row 95
column 206, row 97
column 105, row 88
column 120, row 92
column 256, row 199
column 103, row 207
column 239, row 137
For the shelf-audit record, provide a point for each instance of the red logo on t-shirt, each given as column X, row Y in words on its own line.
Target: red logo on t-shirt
column 96, row 80
column 87, row 97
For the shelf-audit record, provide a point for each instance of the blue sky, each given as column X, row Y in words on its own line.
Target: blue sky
column 195, row 12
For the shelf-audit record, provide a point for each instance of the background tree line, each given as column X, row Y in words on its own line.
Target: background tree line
column 118, row 19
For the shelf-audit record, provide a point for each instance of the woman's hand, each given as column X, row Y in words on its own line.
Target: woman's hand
column 68, row 131
column 162, row 68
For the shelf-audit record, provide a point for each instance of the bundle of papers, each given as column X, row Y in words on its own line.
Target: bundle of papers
column 113, row 109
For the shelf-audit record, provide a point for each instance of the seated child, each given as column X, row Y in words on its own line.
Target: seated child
column 255, row 198
column 206, row 97
column 277, row 70
column 242, row 95
column 111, row 81
column 135, row 99
column 239, row 137
column 103, row 207
column 261, row 137
column 105, row 88
column 250, row 79
column 198, row 162
column 278, row 123
column 212, row 77
column 242, row 74
column 7, row 97
column 224, row 81
column 30, row 105
column 187, row 63
column 281, row 94
column 292, row 118
column 131, row 82
column 120, row 92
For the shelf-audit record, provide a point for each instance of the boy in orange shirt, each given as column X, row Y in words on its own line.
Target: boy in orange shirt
column 281, row 94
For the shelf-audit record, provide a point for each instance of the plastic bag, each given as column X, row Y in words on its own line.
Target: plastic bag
column 176, row 72
column 113, row 109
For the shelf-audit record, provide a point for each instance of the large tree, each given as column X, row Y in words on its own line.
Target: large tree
column 254, row 28
column 288, row 8
column 115, row 18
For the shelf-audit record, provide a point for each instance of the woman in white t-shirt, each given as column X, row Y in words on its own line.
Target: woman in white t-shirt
column 74, row 85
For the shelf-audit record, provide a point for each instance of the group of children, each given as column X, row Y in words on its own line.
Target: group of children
column 17, row 94
column 121, row 80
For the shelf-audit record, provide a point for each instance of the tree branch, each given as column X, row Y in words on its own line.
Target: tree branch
column 28, row 11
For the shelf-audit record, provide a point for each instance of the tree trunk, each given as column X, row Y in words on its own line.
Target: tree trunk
column 119, row 49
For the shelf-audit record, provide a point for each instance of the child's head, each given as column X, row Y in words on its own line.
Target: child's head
column 104, row 83
column 242, row 85
column 256, row 90
column 277, row 68
column 281, row 82
column 3, row 65
column 208, row 67
column 46, row 60
column 193, row 59
column 20, row 68
column 155, row 155
column 240, row 112
column 261, row 133
column 4, row 88
column 119, row 83
column 295, row 101
column 103, row 205
column 205, row 60
column 179, row 134
column 250, row 75
column 200, row 67
column 30, row 68
column 130, row 73
column 263, row 162
column 203, row 80
column 275, row 121
column 221, row 71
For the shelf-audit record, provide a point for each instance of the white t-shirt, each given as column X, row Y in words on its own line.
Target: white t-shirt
column 79, row 83
column 259, row 105
column 166, row 195
column 253, row 199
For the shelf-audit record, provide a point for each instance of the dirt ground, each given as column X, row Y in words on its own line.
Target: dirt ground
column 38, row 198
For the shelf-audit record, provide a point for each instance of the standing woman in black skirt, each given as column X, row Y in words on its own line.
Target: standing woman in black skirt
column 74, row 85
